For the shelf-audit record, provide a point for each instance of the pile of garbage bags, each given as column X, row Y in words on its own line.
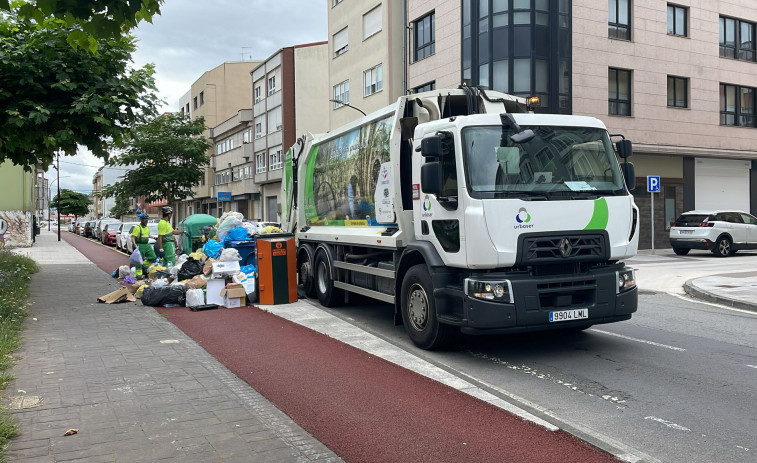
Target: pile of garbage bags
column 183, row 284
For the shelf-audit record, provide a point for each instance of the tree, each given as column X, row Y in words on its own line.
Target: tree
column 53, row 96
column 170, row 154
column 87, row 20
column 71, row 202
column 121, row 207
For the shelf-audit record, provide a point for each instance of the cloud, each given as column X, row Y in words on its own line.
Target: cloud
column 191, row 37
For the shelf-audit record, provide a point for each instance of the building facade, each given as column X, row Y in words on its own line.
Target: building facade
column 675, row 78
column 17, row 206
column 216, row 96
column 366, row 64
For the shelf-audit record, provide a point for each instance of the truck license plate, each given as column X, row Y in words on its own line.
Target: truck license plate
column 567, row 315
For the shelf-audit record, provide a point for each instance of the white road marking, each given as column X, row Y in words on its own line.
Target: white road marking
column 688, row 298
column 667, row 423
column 652, row 343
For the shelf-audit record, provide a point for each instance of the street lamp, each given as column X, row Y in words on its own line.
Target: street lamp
column 334, row 100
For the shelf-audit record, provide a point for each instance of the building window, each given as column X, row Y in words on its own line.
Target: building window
column 373, row 79
column 187, row 108
column 274, row 119
column 619, row 92
column 275, row 161
column 678, row 92
column 619, row 19
column 677, row 20
column 737, row 39
column 247, row 136
column 272, row 85
column 258, row 94
column 737, row 105
column 202, row 98
column 340, row 42
column 258, row 129
column 260, row 163
column 195, row 102
column 425, row 87
column 424, row 37
column 372, row 22
column 341, row 93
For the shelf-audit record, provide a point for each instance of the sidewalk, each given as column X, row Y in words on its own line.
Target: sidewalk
column 136, row 387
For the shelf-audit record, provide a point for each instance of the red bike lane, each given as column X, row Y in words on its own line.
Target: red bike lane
column 362, row 407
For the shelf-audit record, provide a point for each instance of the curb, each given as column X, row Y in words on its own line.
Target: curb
column 694, row 291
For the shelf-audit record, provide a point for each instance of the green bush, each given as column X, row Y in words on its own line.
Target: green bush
column 15, row 275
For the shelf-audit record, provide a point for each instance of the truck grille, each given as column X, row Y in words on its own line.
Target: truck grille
column 550, row 248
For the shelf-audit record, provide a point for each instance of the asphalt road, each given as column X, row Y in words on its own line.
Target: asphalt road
column 676, row 383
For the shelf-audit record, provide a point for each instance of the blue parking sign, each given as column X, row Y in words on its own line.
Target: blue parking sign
column 653, row 183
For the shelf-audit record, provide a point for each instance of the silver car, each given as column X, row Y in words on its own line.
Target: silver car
column 723, row 232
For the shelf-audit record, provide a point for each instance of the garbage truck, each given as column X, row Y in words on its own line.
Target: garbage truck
column 468, row 211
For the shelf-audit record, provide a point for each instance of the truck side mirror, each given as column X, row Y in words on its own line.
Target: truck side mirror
column 431, row 177
column 625, row 148
column 629, row 173
column 431, row 146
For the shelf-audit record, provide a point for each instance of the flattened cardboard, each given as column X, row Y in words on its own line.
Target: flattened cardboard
column 120, row 295
column 213, row 291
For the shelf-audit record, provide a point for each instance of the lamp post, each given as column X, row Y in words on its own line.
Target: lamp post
column 57, row 179
column 334, row 100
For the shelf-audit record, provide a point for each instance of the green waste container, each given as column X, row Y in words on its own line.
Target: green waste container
column 193, row 228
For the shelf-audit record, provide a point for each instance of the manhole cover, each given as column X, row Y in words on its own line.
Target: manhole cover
column 25, row 401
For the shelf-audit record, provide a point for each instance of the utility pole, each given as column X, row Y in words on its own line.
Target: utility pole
column 57, row 209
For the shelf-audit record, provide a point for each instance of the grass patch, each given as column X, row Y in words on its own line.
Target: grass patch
column 15, row 276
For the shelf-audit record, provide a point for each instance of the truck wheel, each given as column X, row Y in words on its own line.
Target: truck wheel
column 306, row 273
column 419, row 311
column 328, row 295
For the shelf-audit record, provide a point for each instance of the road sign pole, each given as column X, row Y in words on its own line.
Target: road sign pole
column 651, row 195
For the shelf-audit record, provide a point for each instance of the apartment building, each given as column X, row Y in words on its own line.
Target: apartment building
column 676, row 78
column 217, row 95
column 366, row 65
column 288, row 93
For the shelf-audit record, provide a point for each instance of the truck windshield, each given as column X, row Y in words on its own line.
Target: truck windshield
column 557, row 162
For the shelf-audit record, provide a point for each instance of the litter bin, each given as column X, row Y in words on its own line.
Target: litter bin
column 246, row 250
column 277, row 269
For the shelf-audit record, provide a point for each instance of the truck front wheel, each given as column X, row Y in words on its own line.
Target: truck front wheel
column 419, row 311
column 328, row 295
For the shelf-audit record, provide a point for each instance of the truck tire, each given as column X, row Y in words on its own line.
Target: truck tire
column 306, row 271
column 419, row 310
column 328, row 295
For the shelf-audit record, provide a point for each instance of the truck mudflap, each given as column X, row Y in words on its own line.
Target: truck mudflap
column 553, row 302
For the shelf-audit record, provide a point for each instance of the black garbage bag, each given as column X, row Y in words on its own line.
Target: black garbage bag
column 158, row 296
column 190, row 268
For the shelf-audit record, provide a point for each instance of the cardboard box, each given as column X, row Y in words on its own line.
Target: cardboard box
column 213, row 291
column 120, row 295
column 234, row 295
column 250, row 287
column 222, row 269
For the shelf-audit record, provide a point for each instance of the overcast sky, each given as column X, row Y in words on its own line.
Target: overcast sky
column 191, row 37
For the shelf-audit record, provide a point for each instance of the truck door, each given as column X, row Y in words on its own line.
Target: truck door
column 437, row 213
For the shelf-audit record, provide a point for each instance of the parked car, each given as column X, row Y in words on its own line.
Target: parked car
column 98, row 232
column 80, row 224
column 108, row 235
column 124, row 234
column 89, row 229
column 152, row 240
column 722, row 231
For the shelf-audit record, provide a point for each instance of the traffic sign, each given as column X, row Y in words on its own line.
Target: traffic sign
column 653, row 183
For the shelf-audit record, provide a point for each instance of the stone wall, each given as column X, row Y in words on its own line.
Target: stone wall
column 15, row 229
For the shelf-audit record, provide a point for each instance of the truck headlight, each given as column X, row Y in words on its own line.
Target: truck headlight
column 626, row 280
column 498, row 291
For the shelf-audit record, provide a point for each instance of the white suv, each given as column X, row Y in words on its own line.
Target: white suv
column 722, row 232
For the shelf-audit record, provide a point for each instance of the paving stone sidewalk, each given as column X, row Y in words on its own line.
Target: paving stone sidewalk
column 136, row 388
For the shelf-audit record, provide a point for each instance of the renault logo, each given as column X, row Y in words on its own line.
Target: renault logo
column 565, row 247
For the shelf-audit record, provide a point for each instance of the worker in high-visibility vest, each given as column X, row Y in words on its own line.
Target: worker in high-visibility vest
column 140, row 237
column 166, row 240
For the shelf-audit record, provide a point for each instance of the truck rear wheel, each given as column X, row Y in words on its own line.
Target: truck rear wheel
column 328, row 295
column 306, row 272
column 419, row 311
